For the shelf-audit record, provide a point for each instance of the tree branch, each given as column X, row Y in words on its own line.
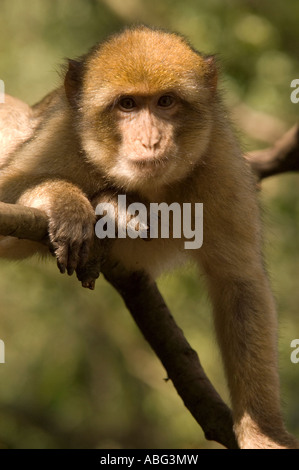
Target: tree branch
column 23, row 222
column 282, row 157
column 181, row 362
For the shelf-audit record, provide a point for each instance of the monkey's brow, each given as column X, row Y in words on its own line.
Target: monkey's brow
column 111, row 101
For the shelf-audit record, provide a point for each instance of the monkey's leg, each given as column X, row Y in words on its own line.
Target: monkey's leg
column 245, row 321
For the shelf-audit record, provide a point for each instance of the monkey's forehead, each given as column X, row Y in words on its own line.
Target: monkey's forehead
column 152, row 58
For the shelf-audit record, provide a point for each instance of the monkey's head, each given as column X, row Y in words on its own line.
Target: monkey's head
column 144, row 100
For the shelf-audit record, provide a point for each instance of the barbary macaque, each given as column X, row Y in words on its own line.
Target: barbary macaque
column 141, row 115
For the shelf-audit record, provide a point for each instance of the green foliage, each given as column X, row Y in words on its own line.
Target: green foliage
column 77, row 372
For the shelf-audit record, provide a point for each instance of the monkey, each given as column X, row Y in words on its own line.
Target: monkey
column 141, row 113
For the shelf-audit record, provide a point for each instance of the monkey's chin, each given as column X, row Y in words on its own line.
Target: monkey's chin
column 153, row 170
column 149, row 178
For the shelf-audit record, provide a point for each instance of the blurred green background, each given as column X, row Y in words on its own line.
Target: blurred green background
column 78, row 372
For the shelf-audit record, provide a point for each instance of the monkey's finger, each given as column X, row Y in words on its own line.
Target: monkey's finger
column 61, row 253
column 61, row 267
column 55, row 250
column 73, row 257
column 89, row 272
column 145, row 234
column 51, row 249
column 84, row 252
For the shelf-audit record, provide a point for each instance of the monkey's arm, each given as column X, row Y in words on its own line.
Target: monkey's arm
column 38, row 173
column 16, row 125
column 244, row 309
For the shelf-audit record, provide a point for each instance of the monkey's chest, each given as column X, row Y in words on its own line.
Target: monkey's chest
column 154, row 256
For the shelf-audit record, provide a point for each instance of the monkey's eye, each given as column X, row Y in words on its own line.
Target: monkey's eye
column 127, row 103
column 166, row 101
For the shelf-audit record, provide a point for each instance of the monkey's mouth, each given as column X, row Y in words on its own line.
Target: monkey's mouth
column 149, row 162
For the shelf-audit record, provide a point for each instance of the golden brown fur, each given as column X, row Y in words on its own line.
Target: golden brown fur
column 109, row 127
column 17, row 124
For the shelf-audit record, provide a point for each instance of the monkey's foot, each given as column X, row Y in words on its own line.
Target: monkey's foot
column 264, row 442
column 251, row 436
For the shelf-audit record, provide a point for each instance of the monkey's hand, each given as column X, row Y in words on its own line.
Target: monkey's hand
column 123, row 215
column 89, row 272
column 71, row 221
column 71, row 234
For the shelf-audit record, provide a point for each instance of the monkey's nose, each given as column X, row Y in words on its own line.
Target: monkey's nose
column 151, row 141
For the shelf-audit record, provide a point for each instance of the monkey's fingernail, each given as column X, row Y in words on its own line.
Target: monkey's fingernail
column 144, row 234
column 70, row 271
column 61, row 267
column 89, row 284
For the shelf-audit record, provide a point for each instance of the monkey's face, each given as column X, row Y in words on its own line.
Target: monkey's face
column 146, row 108
column 146, row 133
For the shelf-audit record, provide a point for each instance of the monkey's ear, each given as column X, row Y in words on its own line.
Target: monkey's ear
column 211, row 74
column 72, row 81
